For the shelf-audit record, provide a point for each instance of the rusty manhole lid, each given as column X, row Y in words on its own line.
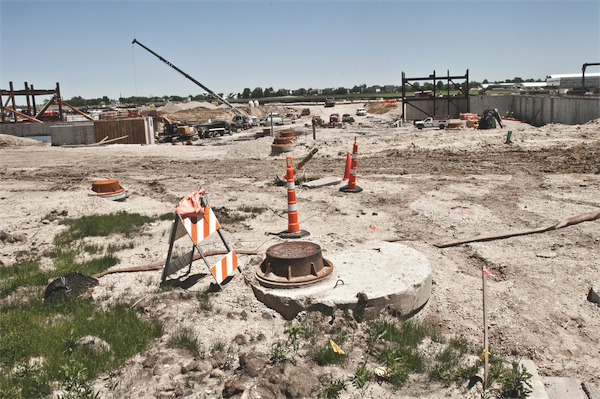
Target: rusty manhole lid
column 293, row 264
column 107, row 187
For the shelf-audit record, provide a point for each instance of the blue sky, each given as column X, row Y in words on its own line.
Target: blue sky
column 229, row 45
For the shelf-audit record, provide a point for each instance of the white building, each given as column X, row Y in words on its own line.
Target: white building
column 573, row 80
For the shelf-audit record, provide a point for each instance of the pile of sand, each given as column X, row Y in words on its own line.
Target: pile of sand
column 7, row 140
column 379, row 108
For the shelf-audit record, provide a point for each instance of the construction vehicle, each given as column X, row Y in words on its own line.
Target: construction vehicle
column 347, row 118
column 334, row 118
column 432, row 122
column 214, row 128
column 240, row 119
column 177, row 131
column 317, row 120
column 488, row 119
column 305, row 111
column 329, row 102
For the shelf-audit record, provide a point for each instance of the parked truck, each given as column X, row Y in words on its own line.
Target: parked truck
column 214, row 128
column 431, row 121
column 329, row 102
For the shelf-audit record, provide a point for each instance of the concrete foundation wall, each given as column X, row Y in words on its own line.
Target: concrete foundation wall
column 25, row 129
column 138, row 130
column 502, row 103
column 422, row 109
column 61, row 133
column 73, row 133
column 540, row 110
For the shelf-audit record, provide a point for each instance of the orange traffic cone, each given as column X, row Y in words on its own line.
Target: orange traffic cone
column 352, row 187
column 293, row 230
column 347, row 171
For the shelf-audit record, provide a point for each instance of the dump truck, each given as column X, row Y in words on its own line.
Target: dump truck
column 329, row 102
column 214, row 128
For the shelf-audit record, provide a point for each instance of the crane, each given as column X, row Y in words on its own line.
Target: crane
column 241, row 117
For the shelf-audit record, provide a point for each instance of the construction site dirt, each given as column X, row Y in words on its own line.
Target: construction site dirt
column 419, row 187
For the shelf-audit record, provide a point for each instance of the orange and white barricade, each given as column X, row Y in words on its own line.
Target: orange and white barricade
column 197, row 229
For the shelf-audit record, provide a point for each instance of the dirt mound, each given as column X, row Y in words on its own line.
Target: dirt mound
column 380, row 109
column 6, row 140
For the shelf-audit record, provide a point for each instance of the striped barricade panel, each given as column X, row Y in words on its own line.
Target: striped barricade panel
column 198, row 230
column 223, row 268
column 179, row 263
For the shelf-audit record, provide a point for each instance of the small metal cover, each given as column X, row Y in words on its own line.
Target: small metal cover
column 292, row 264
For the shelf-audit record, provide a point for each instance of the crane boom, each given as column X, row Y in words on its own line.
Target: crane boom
column 209, row 91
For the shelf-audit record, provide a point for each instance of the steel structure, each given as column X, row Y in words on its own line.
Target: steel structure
column 33, row 114
column 456, row 101
column 583, row 68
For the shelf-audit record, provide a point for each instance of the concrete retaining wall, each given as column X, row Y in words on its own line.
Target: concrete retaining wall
column 61, row 133
column 138, row 130
column 73, row 134
column 540, row 110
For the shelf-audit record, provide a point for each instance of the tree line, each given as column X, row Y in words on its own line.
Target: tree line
column 259, row 93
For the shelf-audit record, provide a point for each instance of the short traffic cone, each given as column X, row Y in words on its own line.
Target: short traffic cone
column 347, row 171
column 352, row 187
column 293, row 230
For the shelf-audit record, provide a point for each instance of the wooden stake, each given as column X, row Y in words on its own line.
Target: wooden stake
column 485, row 330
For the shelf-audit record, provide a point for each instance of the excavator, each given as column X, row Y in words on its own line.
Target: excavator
column 489, row 118
column 240, row 120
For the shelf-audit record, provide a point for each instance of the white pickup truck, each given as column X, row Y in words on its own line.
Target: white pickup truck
column 432, row 122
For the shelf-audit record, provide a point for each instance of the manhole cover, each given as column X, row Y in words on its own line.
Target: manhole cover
column 293, row 264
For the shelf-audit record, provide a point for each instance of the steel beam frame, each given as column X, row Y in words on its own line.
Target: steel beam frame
column 407, row 101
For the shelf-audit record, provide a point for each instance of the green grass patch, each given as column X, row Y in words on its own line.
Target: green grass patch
column 51, row 330
column 331, row 386
column 166, row 216
column 20, row 275
column 101, row 226
column 324, row 355
column 185, row 338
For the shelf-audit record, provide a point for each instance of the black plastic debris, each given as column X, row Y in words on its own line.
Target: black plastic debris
column 71, row 283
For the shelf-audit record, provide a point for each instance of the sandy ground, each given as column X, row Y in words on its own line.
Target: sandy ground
column 419, row 185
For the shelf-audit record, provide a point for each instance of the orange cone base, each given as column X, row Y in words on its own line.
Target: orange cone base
column 351, row 190
column 300, row 234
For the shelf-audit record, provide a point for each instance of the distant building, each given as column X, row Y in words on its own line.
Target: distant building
column 573, row 80
column 328, row 90
column 389, row 88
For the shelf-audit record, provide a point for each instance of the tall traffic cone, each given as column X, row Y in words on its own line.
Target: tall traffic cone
column 347, row 171
column 352, row 187
column 293, row 230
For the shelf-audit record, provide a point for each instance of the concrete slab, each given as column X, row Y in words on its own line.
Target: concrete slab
column 539, row 389
column 563, row 388
column 325, row 181
column 384, row 273
column 591, row 390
